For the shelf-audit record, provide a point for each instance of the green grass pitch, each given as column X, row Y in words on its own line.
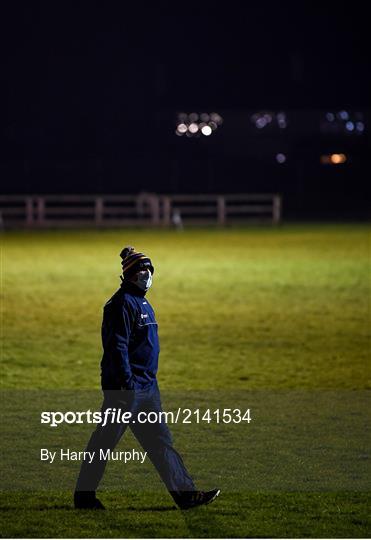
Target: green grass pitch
column 253, row 308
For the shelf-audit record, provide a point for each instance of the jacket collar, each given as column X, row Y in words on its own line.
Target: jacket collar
column 131, row 288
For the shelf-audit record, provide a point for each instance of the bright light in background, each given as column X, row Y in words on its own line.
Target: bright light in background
column 263, row 119
column 193, row 124
column 350, row 122
column 261, row 122
column 343, row 115
column 181, row 128
column 281, row 120
column 280, row 158
column 215, row 117
column 206, row 130
column 268, row 118
column 336, row 159
column 333, row 159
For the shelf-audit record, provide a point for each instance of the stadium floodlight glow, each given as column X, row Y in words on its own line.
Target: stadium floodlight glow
column 349, row 122
column 333, row 159
column 206, row 130
column 215, row 117
column 193, row 128
column 268, row 118
column 325, row 159
column 281, row 120
column 261, row 122
column 343, row 115
column 181, row 128
column 195, row 123
column 280, row 158
column 337, row 159
column 265, row 118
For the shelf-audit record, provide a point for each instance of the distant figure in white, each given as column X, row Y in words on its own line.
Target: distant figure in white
column 177, row 220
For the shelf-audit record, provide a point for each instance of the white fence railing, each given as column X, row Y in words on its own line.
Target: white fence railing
column 146, row 209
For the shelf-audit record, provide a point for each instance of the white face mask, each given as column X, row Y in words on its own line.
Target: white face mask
column 144, row 280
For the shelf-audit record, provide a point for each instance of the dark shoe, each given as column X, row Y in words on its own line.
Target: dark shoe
column 196, row 498
column 87, row 500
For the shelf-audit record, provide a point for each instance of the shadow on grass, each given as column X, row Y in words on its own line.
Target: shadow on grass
column 42, row 507
column 151, row 508
column 205, row 521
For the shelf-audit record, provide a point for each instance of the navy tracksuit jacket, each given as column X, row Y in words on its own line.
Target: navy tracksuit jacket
column 130, row 340
column 130, row 362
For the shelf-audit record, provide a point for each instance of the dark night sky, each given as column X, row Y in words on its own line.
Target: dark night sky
column 87, row 82
column 293, row 54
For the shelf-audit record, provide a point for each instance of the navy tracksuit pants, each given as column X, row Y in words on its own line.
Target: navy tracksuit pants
column 155, row 438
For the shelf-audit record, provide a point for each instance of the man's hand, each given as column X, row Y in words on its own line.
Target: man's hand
column 127, row 396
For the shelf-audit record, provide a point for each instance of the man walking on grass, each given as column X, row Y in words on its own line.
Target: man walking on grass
column 128, row 375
